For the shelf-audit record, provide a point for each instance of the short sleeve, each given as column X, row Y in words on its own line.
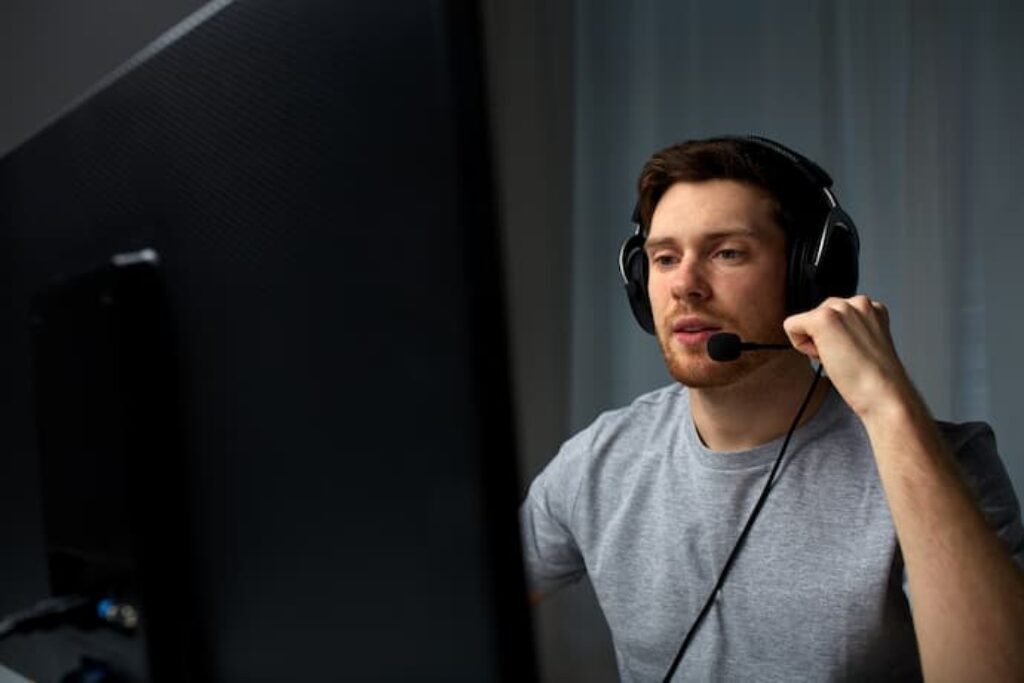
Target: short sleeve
column 551, row 554
column 974, row 445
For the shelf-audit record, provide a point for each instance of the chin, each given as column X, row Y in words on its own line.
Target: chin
column 705, row 377
column 694, row 369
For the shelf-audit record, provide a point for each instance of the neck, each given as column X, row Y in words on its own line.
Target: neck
column 757, row 409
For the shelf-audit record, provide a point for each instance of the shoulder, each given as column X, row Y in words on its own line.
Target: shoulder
column 637, row 425
column 960, row 435
column 974, row 448
column 614, row 438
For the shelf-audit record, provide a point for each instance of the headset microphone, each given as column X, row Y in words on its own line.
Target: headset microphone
column 725, row 346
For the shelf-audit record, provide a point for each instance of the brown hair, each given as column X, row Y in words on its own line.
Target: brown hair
column 801, row 205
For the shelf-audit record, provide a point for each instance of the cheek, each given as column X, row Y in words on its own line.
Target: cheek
column 657, row 292
column 760, row 288
column 766, row 294
column 660, row 296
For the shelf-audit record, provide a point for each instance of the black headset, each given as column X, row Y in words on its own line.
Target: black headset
column 820, row 264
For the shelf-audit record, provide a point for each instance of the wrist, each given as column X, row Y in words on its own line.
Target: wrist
column 903, row 433
column 896, row 404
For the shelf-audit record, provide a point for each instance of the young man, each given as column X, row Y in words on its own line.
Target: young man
column 887, row 546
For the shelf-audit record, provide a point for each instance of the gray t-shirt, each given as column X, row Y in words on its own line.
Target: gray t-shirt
column 650, row 514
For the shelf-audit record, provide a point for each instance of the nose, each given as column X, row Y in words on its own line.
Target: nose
column 689, row 281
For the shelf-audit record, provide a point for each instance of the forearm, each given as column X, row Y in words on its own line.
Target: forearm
column 967, row 595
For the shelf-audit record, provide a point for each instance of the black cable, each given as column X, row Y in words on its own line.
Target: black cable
column 77, row 610
column 43, row 614
column 743, row 534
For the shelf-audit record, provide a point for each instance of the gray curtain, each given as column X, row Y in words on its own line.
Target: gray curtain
column 913, row 107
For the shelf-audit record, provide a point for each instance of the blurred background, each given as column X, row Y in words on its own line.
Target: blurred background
column 912, row 106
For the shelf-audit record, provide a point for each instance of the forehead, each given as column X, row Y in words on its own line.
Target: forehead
column 713, row 207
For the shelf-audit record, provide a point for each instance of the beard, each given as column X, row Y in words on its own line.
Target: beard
column 692, row 367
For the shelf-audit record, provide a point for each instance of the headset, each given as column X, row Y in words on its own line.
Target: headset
column 820, row 264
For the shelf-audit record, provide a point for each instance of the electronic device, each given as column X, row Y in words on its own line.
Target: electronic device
column 255, row 335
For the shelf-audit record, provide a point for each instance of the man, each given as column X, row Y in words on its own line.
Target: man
column 887, row 546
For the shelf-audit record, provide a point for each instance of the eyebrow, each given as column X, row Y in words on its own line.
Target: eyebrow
column 669, row 241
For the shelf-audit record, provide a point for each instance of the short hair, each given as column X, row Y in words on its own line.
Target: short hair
column 800, row 203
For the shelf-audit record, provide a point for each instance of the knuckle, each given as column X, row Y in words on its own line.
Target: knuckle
column 861, row 302
column 832, row 314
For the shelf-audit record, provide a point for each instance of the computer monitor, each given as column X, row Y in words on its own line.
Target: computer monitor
column 256, row 336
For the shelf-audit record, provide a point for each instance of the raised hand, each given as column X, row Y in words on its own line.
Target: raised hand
column 851, row 339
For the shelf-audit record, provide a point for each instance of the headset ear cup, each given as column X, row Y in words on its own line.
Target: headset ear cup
column 836, row 273
column 833, row 272
column 798, row 284
column 633, row 265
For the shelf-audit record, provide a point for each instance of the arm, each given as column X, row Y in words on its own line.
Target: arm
column 550, row 554
column 968, row 595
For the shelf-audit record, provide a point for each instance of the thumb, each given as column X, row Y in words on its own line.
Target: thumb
column 796, row 327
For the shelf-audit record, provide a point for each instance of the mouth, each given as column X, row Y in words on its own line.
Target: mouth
column 693, row 331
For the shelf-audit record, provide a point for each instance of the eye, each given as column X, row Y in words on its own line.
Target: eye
column 664, row 260
column 729, row 254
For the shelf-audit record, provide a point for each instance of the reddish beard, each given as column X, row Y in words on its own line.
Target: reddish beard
column 691, row 365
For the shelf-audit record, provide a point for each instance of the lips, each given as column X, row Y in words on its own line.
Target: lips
column 693, row 330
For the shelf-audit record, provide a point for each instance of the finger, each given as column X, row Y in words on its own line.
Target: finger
column 797, row 330
column 804, row 344
column 860, row 311
column 835, row 303
column 882, row 311
column 861, row 303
